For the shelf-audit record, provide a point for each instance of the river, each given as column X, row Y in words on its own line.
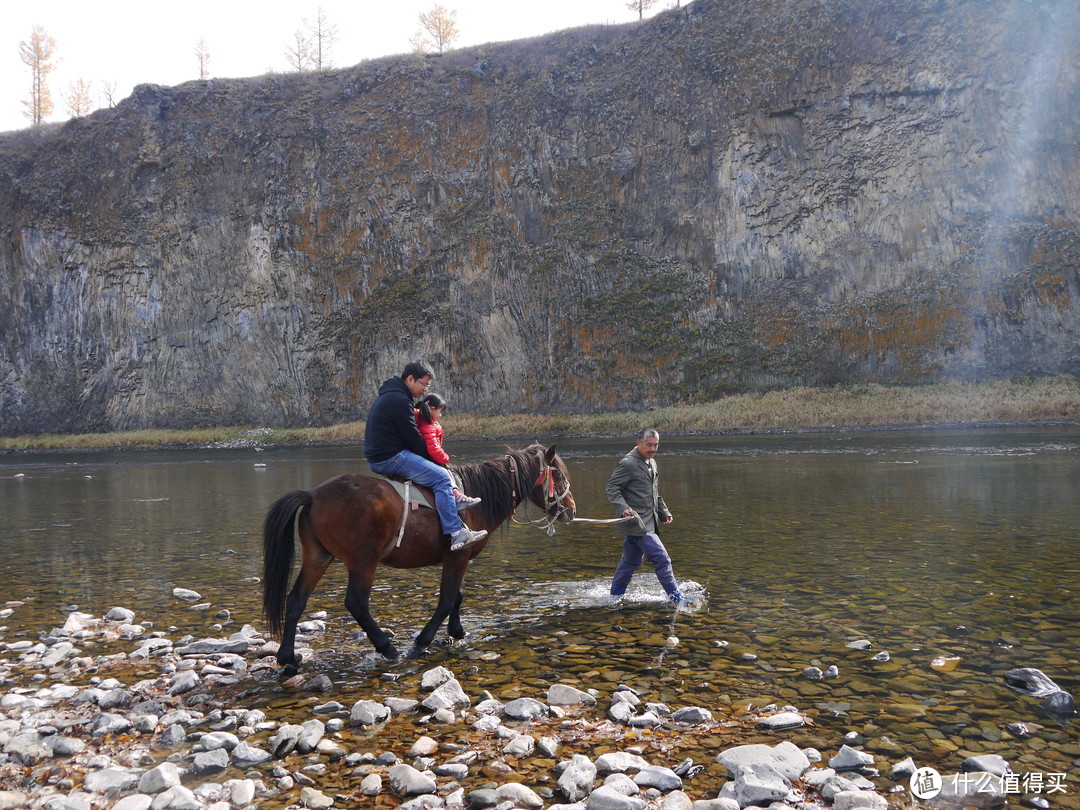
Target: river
column 954, row 551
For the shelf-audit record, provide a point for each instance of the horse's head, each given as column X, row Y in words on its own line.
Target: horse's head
column 551, row 487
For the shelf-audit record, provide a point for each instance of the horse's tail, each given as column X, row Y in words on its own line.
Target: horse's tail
column 278, row 550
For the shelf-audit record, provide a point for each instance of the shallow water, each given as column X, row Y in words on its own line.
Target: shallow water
column 928, row 544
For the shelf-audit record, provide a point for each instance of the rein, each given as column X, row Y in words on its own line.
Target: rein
column 546, row 481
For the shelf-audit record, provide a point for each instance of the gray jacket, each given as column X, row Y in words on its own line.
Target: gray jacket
column 634, row 485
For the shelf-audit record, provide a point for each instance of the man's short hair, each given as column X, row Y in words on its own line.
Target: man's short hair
column 416, row 370
column 648, row 433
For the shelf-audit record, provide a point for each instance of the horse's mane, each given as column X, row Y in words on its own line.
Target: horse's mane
column 490, row 481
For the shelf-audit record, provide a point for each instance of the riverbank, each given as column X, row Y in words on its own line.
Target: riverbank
column 1050, row 400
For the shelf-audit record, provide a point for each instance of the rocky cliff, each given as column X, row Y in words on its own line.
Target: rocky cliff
column 730, row 195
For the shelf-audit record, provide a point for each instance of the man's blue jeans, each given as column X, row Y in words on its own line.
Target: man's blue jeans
column 427, row 474
column 634, row 549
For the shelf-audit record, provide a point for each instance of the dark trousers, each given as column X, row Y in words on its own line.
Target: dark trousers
column 647, row 546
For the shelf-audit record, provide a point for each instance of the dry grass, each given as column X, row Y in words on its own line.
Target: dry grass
column 1028, row 401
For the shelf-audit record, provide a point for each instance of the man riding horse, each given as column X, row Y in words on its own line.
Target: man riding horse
column 393, row 446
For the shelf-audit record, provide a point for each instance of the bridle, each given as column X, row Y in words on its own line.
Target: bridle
column 546, row 481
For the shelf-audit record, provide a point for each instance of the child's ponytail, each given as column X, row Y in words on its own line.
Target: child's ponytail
column 425, row 405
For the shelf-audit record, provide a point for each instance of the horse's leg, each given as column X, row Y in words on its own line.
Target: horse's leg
column 357, row 600
column 453, row 573
column 316, row 560
column 453, row 624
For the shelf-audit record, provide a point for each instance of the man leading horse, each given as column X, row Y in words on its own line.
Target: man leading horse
column 393, row 446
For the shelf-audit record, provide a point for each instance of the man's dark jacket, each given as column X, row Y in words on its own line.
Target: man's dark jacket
column 391, row 424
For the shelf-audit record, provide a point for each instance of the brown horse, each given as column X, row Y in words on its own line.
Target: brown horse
column 357, row 519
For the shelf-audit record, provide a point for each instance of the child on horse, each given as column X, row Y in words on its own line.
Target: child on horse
column 429, row 412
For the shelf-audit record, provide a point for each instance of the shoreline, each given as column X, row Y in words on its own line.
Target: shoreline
column 1045, row 402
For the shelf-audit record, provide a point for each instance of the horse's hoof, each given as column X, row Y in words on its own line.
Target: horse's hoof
column 288, row 671
column 389, row 652
column 417, row 652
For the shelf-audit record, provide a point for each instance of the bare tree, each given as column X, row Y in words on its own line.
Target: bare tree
column 419, row 42
column 202, row 53
column 640, row 6
column 37, row 54
column 441, row 26
column 108, row 92
column 299, row 53
column 77, row 98
column 323, row 36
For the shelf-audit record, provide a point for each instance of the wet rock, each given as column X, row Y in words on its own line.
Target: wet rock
column 207, row 762
column 967, row 790
column 161, row 778
column 111, row 779
column 119, row 614
column 115, row 699
column 607, row 798
column 219, row 739
column 692, row 714
column 564, row 695
column 320, row 683
column 64, row 746
column 186, row 594
column 813, row 674
column 646, row 720
column 108, row 723
column 448, row 695
column 861, row 644
column 183, row 682
column 136, row 801
column 521, row 746
column 525, row 709
column 368, row 713
column 371, row 785
column 623, row 762
column 284, row 741
column 244, row 755
column 785, row 757
column 310, row 734
column 482, row 798
column 903, row 769
column 26, row 749
column 850, row 759
column 424, row 747
column 1031, row 682
column 399, row 705
column 1059, row 703
column 781, row 721
column 576, row 781
column 663, row 779
column 622, row 712
column 315, row 799
column 857, row 799
column 519, row 794
column 435, row 677
column 986, row 763
column 405, row 780
column 173, row 735
column 677, row 800
column 214, row 646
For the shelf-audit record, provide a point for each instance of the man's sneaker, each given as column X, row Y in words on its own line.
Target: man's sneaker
column 464, row 501
column 465, row 537
column 676, row 599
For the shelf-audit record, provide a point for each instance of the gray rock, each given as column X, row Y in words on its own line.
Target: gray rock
column 607, row 798
column 57, row 653
column 622, row 712
column 677, row 800
column 173, row 735
column 315, row 799
column 64, row 746
column 243, row 755
column 785, row 757
column 405, row 780
column 136, row 801
column 368, row 713
column 310, row 733
column 548, row 747
column 646, row 720
column 186, row 594
column 119, row 614
column 13, row 800
column 212, row 646
column 849, row 759
column 856, row 799
column 525, row 709
column 716, row 804
column 219, row 739
column 1059, row 702
column 835, row 784
column 73, row 801
column 481, row 798
column 111, row 779
column 692, row 714
column 177, row 798
column 27, row 749
column 813, row 674
column 521, row 746
column 663, row 779
column 401, row 705
column 760, row 783
column 449, row 695
column 183, row 682
column 455, row 770
column 576, row 781
column 371, row 785
column 903, row 769
column 563, row 695
column 519, row 794
column 781, row 721
column 988, row 763
column 1033, row 682
column 284, row 740
column 435, row 677
column 622, row 762
column 983, row 790
column 161, row 778
column 207, row 762
column 107, row 723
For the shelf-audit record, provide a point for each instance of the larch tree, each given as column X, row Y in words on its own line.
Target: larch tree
column 202, row 54
column 441, row 26
column 640, row 6
column 77, row 98
column 299, row 53
column 37, row 53
column 323, row 36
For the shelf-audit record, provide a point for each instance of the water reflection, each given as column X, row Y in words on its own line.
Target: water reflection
column 960, row 544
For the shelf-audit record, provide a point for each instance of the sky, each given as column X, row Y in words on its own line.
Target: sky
column 126, row 43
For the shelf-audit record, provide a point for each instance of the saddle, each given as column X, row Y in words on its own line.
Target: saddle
column 407, row 489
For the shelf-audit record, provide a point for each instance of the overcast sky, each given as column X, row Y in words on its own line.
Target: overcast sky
column 128, row 43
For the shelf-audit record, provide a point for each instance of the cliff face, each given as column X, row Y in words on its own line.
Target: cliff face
column 730, row 195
